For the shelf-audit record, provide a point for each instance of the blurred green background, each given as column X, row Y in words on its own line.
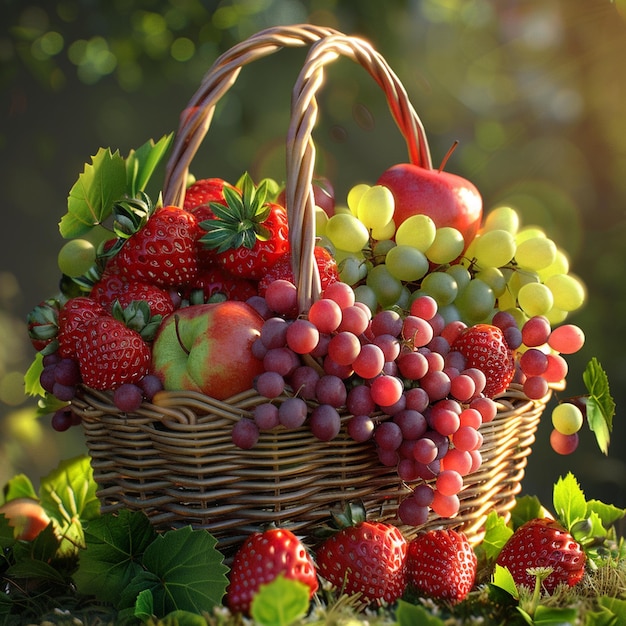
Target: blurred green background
column 534, row 90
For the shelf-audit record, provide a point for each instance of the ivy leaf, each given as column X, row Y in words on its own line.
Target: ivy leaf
column 141, row 163
column 569, row 501
column 68, row 495
column 20, row 486
column 280, row 602
column 496, row 535
column 184, row 571
column 600, row 404
column 115, row 545
column 91, row 199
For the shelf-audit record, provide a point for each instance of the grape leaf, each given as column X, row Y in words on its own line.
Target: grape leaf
column 68, row 495
column 496, row 535
column 280, row 602
column 91, row 199
column 115, row 545
column 20, row 486
column 144, row 606
column 600, row 403
column 141, row 163
column 569, row 501
column 184, row 571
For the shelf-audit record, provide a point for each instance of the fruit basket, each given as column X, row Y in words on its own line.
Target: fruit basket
column 174, row 456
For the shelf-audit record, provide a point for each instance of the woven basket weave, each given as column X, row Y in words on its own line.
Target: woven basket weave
column 174, row 458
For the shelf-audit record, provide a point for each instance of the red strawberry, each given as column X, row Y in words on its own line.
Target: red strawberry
column 214, row 284
column 110, row 354
column 368, row 558
column 248, row 234
column 485, row 348
column 543, row 542
column 159, row 300
column 282, row 269
column 107, row 288
column 441, row 564
column 261, row 558
column 72, row 318
column 163, row 251
column 42, row 323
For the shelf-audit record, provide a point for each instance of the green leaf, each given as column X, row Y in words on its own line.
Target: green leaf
column 569, row 501
column 34, row 569
column 411, row 614
column 179, row 618
column 115, row 545
column 600, row 404
column 554, row 615
column 497, row 534
column 20, row 486
column 91, row 199
column 607, row 513
column 617, row 606
column 526, row 508
column 184, row 570
column 144, row 606
column 32, row 386
column 141, row 163
column 503, row 578
column 280, row 602
column 68, row 495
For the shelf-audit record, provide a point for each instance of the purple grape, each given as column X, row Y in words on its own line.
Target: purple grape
column 66, row 372
column 245, row 434
column 292, row 413
column 62, row 419
column 325, row 422
column 150, row 385
column 331, row 390
column 266, row 416
column 361, row 428
column 65, row 393
column 270, row 384
column 128, row 397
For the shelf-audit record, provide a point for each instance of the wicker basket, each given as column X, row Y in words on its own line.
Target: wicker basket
column 174, row 458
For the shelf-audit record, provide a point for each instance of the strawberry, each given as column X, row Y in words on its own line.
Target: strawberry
column 214, row 284
column 110, row 354
column 248, row 234
column 282, row 269
column 262, row 557
column 441, row 564
column 543, row 542
column 42, row 324
column 72, row 318
column 159, row 300
column 106, row 289
column 484, row 347
column 367, row 558
column 163, row 251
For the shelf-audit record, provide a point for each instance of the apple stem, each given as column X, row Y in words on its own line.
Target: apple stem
column 447, row 155
column 180, row 341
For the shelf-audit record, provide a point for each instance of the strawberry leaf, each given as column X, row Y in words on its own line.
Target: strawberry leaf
column 141, row 163
column 20, row 486
column 600, row 404
column 607, row 513
column 496, row 535
column 503, row 578
column 280, row 602
column 183, row 570
column 569, row 501
column 91, row 199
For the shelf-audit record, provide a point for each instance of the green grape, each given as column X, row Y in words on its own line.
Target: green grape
column 507, row 300
column 529, row 232
column 460, row 274
column 535, row 299
column 387, row 287
column 450, row 313
column 447, row 246
column 476, row 301
column 520, row 278
column 386, row 231
column 381, row 248
column 342, row 209
column 76, row 257
column 560, row 265
column 535, row 253
column 347, row 232
column 441, row 286
column 569, row 292
column 321, row 219
column 376, row 206
column 406, row 263
column 493, row 248
column 556, row 316
column 354, row 197
column 98, row 234
column 417, row 231
column 520, row 317
column 502, row 218
column 366, row 295
column 567, row 418
column 403, row 299
column 352, row 268
column 494, row 277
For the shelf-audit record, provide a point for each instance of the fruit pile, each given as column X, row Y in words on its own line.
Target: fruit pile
column 425, row 314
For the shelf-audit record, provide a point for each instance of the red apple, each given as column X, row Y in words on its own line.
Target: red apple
column 26, row 516
column 207, row 348
column 448, row 199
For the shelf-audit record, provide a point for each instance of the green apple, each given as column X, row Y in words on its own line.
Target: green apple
column 208, row 348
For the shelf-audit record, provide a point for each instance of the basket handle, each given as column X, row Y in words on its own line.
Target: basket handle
column 301, row 149
column 196, row 118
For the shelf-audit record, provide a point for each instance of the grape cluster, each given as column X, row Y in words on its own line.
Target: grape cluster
column 505, row 267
